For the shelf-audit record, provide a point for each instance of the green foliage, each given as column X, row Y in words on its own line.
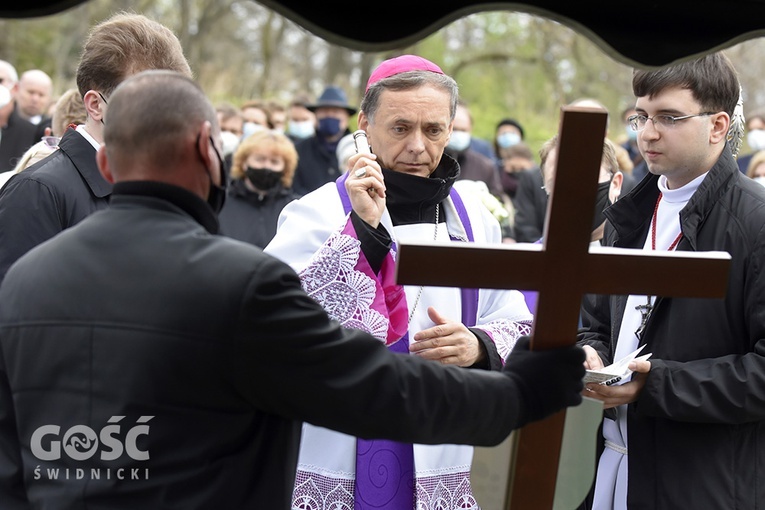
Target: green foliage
column 508, row 64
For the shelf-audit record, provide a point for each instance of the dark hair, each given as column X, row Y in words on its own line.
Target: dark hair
column 711, row 79
column 511, row 122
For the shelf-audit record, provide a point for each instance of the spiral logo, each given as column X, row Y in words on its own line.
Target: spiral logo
column 80, row 442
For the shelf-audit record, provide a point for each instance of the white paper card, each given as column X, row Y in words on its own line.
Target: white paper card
column 616, row 371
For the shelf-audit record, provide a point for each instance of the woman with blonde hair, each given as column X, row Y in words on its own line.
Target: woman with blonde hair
column 261, row 185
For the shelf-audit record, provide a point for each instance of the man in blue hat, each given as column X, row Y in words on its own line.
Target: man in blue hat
column 317, row 160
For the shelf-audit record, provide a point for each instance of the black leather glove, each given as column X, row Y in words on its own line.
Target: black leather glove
column 548, row 380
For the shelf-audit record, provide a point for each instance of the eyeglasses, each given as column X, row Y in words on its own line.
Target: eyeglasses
column 638, row 122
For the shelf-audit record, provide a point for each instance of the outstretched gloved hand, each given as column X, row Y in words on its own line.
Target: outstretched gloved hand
column 548, row 380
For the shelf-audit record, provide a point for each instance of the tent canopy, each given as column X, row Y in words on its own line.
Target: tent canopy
column 647, row 34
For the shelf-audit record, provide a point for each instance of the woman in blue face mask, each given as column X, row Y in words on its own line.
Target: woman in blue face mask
column 261, row 180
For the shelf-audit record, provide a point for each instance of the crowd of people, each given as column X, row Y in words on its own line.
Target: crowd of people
column 199, row 306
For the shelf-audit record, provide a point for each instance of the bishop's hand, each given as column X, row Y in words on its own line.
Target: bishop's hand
column 366, row 188
column 448, row 342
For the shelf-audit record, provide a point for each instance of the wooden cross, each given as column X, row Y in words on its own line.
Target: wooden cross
column 562, row 269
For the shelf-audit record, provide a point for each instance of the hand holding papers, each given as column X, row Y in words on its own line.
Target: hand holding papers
column 617, row 371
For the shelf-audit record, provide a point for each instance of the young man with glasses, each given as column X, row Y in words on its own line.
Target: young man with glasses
column 688, row 429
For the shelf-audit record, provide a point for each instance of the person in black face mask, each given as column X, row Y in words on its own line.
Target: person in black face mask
column 261, row 179
column 317, row 157
column 343, row 239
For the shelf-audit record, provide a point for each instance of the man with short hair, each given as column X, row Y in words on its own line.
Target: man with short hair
column 688, row 429
column 343, row 239
column 147, row 362
column 18, row 134
column 34, row 95
column 64, row 188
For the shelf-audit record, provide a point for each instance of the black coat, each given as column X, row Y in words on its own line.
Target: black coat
column 18, row 135
column 50, row 196
column 475, row 166
column 317, row 165
column 530, row 206
column 140, row 317
column 696, row 434
column 252, row 217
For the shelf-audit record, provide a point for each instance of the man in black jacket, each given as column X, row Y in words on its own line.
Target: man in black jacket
column 688, row 430
column 61, row 190
column 164, row 366
column 18, row 134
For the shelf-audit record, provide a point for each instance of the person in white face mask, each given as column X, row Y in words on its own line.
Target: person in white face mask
column 301, row 122
column 473, row 165
column 755, row 138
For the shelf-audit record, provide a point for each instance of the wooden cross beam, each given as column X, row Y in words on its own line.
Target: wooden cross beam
column 562, row 269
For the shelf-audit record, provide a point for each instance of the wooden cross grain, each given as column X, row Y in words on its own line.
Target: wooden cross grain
column 562, row 270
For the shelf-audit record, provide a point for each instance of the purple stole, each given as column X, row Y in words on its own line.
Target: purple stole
column 385, row 469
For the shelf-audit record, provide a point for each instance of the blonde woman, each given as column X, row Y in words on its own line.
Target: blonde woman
column 261, row 185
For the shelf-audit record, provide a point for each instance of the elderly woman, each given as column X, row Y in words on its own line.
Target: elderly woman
column 261, row 180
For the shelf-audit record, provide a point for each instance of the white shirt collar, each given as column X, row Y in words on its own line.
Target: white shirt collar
column 81, row 129
column 681, row 194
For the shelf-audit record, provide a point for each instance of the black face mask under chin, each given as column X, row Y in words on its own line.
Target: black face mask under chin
column 601, row 202
column 217, row 196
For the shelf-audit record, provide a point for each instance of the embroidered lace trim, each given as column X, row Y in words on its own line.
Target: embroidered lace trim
column 441, row 492
column 506, row 333
column 344, row 292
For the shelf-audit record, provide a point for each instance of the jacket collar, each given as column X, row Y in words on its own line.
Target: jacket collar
column 83, row 156
column 179, row 197
column 631, row 215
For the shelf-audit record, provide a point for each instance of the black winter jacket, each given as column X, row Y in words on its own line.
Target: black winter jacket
column 50, row 196
column 146, row 363
column 252, row 217
column 696, row 434
column 317, row 165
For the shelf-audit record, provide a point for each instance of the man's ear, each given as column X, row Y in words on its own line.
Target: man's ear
column 93, row 105
column 204, row 145
column 363, row 121
column 103, row 164
column 720, row 125
column 615, row 189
